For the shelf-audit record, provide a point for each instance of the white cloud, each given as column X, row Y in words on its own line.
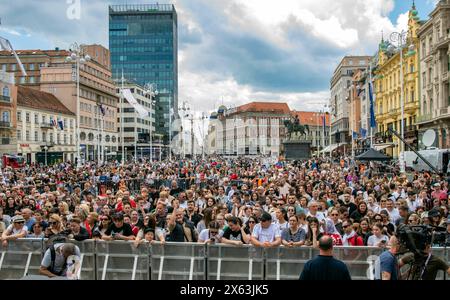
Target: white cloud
column 10, row 31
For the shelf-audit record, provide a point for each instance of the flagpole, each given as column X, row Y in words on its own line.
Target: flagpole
column 371, row 104
column 121, row 121
column 102, row 148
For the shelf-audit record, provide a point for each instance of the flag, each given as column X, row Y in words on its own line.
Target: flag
column 142, row 112
column 355, row 135
column 6, row 45
column 61, row 124
column 53, row 122
column 373, row 123
column 363, row 133
column 102, row 109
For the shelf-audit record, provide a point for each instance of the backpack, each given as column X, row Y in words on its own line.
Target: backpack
column 52, row 240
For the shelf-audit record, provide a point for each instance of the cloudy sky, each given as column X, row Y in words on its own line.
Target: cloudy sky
column 233, row 51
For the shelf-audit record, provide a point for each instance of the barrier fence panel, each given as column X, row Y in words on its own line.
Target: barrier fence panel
column 87, row 259
column 227, row 262
column 287, row 263
column 122, row 260
column 183, row 261
column 359, row 260
column 20, row 258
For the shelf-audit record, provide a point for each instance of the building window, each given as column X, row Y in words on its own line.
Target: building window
column 13, row 67
column 19, row 134
column 22, row 79
column 27, row 117
column 36, row 118
column 31, row 67
column 32, row 80
column 51, row 137
column 36, row 136
column 44, row 137
column 19, row 116
column 65, row 139
column 27, row 135
column 6, row 116
column 71, row 139
column 5, row 91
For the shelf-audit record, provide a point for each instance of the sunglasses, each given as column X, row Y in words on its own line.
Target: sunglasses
column 334, row 215
column 213, row 232
column 251, row 222
column 104, row 219
column 52, row 223
column 345, row 226
column 21, row 222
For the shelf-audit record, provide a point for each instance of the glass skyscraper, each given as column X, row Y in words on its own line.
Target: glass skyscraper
column 143, row 41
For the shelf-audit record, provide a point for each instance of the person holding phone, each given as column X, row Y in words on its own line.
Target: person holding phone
column 377, row 239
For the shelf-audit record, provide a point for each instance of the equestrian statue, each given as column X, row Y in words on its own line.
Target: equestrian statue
column 294, row 127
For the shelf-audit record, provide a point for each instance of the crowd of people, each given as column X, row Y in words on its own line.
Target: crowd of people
column 238, row 201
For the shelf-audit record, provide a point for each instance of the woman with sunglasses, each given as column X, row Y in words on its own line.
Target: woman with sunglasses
column 55, row 226
column 211, row 235
column 105, row 221
column 250, row 224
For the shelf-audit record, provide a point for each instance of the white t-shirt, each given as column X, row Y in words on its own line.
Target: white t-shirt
column 204, row 235
column 13, row 230
column 266, row 234
column 373, row 240
column 285, row 225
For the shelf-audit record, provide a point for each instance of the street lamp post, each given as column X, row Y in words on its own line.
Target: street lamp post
column 150, row 89
column 401, row 39
column 46, row 149
column 78, row 56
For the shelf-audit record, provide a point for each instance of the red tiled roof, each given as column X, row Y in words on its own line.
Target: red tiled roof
column 276, row 107
column 36, row 99
column 311, row 118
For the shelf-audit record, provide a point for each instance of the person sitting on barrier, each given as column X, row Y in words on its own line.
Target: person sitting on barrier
column 55, row 263
column 211, row 235
column 235, row 234
column 325, row 266
column 118, row 230
column 181, row 230
column 266, row 234
column 15, row 230
column 293, row 236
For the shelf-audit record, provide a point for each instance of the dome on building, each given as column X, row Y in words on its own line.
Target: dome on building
column 414, row 12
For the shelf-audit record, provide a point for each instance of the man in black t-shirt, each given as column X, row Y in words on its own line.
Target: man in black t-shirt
column 234, row 234
column 118, row 230
column 325, row 266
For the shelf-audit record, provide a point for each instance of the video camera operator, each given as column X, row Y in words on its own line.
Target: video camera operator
column 417, row 241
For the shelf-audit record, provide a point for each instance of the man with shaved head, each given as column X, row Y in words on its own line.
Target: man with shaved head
column 325, row 266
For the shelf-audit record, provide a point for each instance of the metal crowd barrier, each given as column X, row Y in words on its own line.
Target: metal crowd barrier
column 21, row 257
column 182, row 261
column 103, row 260
column 234, row 263
column 120, row 260
column 287, row 263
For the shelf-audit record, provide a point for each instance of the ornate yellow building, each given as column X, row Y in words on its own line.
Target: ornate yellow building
column 387, row 88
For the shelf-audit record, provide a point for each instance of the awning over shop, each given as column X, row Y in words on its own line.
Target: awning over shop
column 330, row 148
column 380, row 147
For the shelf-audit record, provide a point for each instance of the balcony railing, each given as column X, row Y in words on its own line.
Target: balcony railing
column 424, row 118
column 5, row 124
column 4, row 98
column 46, row 125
